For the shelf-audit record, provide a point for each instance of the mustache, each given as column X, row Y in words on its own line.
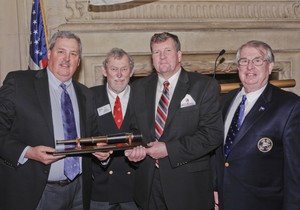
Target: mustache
column 121, row 79
column 65, row 63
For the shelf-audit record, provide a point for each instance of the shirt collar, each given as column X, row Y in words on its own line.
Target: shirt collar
column 54, row 82
column 172, row 80
column 252, row 96
column 121, row 95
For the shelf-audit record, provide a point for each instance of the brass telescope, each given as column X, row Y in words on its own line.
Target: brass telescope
column 108, row 139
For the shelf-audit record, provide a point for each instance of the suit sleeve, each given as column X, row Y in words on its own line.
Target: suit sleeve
column 291, row 141
column 10, row 149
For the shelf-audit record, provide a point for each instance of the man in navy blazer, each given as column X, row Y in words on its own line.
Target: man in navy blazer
column 113, row 179
column 182, row 178
column 31, row 121
column 262, row 169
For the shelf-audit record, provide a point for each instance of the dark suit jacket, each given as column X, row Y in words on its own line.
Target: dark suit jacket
column 191, row 133
column 25, row 119
column 112, row 183
column 263, row 166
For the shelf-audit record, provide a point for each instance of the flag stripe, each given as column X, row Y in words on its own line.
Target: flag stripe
column 38, row 37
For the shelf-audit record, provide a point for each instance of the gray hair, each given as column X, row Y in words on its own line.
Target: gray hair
column 117, row 53
column 67, row 35
column 161, row 37
column 259, row 45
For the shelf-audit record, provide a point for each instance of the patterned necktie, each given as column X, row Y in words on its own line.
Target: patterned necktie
column 235, row 125
column 118, row 112
column 71, row 164
column 162, row 113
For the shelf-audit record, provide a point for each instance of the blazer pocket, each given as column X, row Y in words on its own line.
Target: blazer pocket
column 189, row 108
column 198, row 166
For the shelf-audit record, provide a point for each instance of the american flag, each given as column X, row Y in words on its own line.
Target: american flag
column 38, row 37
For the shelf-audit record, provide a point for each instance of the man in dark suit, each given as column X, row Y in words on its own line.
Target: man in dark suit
column 260, row 168
column 113, row 179
column 31, row 121
column 174, row 171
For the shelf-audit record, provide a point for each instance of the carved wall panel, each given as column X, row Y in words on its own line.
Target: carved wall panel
column 204, row 28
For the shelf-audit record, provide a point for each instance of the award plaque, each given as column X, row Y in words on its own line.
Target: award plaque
column 121, row 141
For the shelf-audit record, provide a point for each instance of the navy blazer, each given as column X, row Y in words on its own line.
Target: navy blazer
column 262, row 170
column 26, row 120
column 191, row 133
column 114, row 182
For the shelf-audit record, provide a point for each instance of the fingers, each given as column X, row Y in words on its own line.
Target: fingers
column 216, row 198
column 136, row 154
column 101, row 144
column 150, row 144
column 157, row 150
column 102, row 156
column 127, row 152
column 42, row 154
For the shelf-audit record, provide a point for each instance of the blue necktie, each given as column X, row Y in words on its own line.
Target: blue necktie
column 71, row 164
column 235, row 125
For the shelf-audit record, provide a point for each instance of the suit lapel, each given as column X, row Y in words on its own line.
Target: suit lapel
column 102, row 100
column 127, row 113
column 150, row 92
column 260, row 107
column 179, row 93
column 42, row 89
column 81, row 100
column 109, row 116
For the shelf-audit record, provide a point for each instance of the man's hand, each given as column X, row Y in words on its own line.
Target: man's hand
column 216, row 197
column 157, row 150
column 136, row 154
column 102, row 156
column 41, row 154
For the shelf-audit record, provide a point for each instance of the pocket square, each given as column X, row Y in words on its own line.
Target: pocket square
column 187, row 101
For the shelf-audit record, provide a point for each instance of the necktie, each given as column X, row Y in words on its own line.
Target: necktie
column 162, row 113
column 71, row 164
column 235, row 125
column 118, row 112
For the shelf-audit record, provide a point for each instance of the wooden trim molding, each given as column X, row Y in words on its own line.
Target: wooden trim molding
column 225, row 88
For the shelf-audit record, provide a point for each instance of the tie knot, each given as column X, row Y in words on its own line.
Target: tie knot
column 244, row 98
column 166, row 84
column 63, row 86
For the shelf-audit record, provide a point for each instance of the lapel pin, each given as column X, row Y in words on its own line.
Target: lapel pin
column 261, row 109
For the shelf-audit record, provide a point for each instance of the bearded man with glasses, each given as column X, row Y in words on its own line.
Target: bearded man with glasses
column 259, row 165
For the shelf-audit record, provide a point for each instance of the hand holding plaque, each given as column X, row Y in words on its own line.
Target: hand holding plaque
column 120, row 141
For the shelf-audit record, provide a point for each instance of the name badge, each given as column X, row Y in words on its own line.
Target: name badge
column 104, row 110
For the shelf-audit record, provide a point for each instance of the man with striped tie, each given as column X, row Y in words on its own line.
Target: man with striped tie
column 179, row 116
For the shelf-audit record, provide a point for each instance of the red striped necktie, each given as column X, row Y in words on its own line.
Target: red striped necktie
column 162, row 113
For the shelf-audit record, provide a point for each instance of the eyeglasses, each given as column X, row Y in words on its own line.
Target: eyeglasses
column 255, row 61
